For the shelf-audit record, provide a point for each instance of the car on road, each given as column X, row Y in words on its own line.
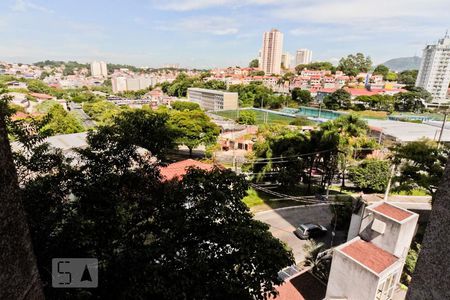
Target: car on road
column 310, row 230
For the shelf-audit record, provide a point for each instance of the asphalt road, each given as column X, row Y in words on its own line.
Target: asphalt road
column 283, row 222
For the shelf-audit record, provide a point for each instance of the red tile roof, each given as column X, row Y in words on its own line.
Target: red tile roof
column 369, row 255
column 303, row 286
column 41, row 96
column 179, row 169
column 392, row 212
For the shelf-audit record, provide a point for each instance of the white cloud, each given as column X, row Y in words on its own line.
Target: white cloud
column 25, row 5
column 211, row 25
column 188, row 5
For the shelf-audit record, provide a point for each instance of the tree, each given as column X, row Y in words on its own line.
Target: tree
column 38, row 86
column 185, row 105
column 196, row 232
column 193, row 128
column 301, row 121
column 421, row 165
column 391, row 76
column 381, row 70
column 247, row 117
column 60, row 121
column 317, row 259
column 319, row 65
column 370, row 174
column 101, row 111
column 338, row 99
column 378, row 102
column 409, row 101
column 19, row 277
column 301, row 96
column 408, row 77
column 254, row 63
column 354, row 64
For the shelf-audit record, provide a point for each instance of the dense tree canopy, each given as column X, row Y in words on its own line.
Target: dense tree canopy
column 185, row 105
column 188, row 239
column 254, row 63
column 247, row 117
column 408, row 77
column 59, row 121
column 354, row 64
column 381, row 70
column 301, row 96
column 338, row 99
column 193, row 128
column 370, row 174
column 318, row 65
column 421, row 165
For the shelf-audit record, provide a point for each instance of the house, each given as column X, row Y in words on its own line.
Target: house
column 301, row 286
column 179, row 169
column 370, row 263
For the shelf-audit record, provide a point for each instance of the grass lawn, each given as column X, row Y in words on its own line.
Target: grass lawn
column 369, row 114
column 271, row 117
column 415, row 192
column 259, row 201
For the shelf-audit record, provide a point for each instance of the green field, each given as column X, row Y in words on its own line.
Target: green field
column 271, row 117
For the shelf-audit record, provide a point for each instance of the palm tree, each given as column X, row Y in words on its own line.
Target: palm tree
column 317, row 259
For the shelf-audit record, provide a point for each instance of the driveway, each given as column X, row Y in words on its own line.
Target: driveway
column 284, row 220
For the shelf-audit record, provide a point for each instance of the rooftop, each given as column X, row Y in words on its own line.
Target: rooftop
column 392, row 212
column 369, row 255
column 217, row 92
column 303, row 286
column 179, row 169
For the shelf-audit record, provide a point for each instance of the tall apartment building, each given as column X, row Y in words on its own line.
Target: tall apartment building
column 434, row 73
column 213, row 99
column 303, row 57
column 286, row 60
column 271, row 52
column 99, row 69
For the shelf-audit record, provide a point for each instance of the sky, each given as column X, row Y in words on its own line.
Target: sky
column 207, row 34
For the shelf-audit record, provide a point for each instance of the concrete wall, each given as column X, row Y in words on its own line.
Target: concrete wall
column 349, row 280
column 230, row 101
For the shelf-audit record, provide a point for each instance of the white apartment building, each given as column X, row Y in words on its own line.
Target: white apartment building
column 213, row 99
column 434, row 72
column 303, row 57
column 286, row 60
column 369, row 265
column 271, row 52
column 99, row 69
column 122, row 83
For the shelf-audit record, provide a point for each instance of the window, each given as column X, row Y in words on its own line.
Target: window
column 385, row 289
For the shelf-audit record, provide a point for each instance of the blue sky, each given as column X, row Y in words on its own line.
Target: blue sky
column 205, row 33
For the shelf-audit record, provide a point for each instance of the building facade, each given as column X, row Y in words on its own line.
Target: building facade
column 369, row 265
column 286, row 60
column 303, row 57
column 271, row 52
column 213, row 100
column 434, row 73
column 99, row 69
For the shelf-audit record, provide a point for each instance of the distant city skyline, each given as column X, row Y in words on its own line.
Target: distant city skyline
column 208, row 34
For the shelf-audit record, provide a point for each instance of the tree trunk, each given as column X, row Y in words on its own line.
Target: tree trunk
column 430, row 279
column 19, row 277
column 190, row 152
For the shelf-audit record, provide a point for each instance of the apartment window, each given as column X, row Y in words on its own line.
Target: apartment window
column 385, row 289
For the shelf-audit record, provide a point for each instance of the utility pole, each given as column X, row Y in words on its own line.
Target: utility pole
column 442, row 129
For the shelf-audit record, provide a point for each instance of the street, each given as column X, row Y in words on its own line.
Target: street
column 283, row 222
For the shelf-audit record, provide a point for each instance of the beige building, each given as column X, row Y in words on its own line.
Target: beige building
column 271, row 52
column 369, row 265
column 286, row 60
column 303, row 57
column 99, row 69
column 213, row 99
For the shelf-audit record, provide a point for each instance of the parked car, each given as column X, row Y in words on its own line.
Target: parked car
column 310, row 230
